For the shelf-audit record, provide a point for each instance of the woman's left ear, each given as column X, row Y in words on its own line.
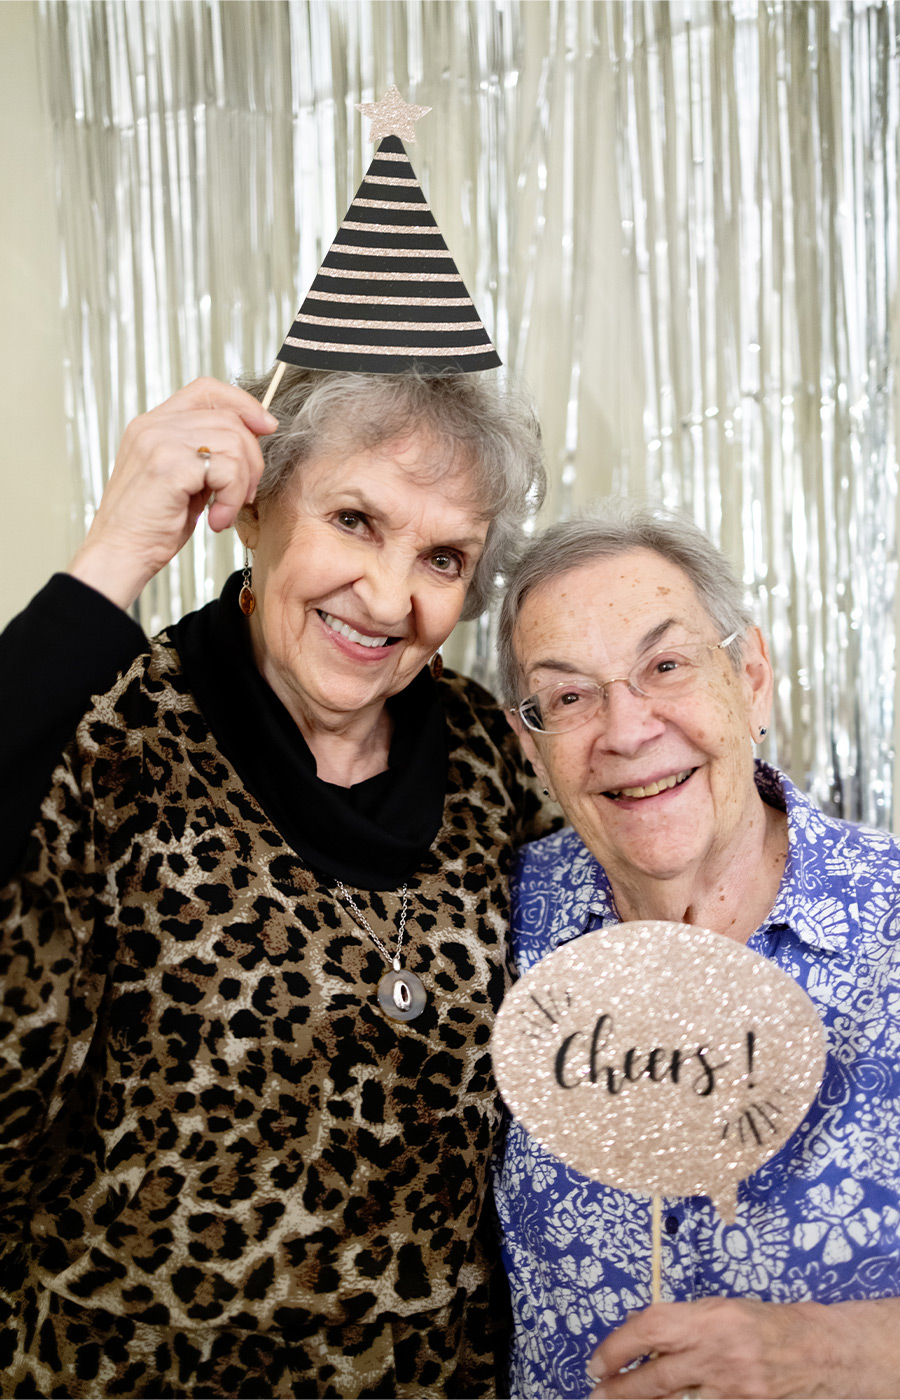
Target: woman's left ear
column 759, row 684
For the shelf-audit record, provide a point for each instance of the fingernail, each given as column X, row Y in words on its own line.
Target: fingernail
column 272, row 419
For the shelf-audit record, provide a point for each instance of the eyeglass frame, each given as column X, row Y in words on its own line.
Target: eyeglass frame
column 611, row 680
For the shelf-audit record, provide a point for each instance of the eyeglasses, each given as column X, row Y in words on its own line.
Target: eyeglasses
column 555, row 709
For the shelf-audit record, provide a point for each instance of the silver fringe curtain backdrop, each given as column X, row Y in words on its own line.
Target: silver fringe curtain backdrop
column 679, row 221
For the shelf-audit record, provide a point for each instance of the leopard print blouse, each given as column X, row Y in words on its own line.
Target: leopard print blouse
column 224, row 1171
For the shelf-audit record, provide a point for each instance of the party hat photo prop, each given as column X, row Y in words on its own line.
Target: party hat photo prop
column 388, row 296
column 661, row 1059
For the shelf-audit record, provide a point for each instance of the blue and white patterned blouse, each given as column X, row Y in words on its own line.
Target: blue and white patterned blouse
column 821, row 1219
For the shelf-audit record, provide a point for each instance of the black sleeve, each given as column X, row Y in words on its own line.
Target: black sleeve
column 70, row 643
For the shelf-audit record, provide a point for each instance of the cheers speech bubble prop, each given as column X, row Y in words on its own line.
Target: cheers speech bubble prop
column 659, row 1058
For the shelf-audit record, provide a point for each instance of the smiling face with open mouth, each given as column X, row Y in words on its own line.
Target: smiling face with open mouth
column 657, row 788
column 360, row 572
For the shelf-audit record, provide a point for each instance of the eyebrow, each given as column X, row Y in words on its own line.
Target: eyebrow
column 359, row 501
column 467, row 542
column 649, row 639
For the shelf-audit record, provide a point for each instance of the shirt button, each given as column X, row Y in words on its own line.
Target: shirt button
column 672, row 1223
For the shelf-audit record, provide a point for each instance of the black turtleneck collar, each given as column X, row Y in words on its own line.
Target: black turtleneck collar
column 373, row 835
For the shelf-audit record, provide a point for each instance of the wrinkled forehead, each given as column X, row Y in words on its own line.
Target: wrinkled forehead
column 607, row 609
column 380, row 477
column 426, row 456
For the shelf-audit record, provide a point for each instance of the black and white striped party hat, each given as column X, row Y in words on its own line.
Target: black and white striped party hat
column 388, row 296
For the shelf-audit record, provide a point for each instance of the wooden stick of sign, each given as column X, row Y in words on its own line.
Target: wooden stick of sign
column 656, row 1255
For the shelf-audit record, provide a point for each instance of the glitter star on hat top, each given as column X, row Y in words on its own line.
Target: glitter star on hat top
column 388, row 296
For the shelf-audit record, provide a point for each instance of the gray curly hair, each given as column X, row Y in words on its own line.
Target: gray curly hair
column 618, row 528
column 477, row 426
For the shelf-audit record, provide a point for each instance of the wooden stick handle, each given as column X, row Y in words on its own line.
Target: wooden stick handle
column 656, row 1258
column 274, row 383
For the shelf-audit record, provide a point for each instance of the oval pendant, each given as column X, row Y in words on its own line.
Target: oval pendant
column 401, row 995
column 246, row 600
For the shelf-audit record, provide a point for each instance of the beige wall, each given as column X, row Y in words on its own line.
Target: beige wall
column 38, row 530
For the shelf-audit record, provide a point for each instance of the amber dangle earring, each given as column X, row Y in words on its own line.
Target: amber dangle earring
column 246, row 600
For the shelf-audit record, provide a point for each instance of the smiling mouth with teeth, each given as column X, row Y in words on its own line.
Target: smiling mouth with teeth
column 652, row 788
column 351, row 633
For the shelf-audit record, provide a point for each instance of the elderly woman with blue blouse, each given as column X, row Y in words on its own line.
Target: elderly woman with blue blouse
column 638, row 685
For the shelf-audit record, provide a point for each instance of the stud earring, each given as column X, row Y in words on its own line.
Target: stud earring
column 763, row 731
column 246, row 600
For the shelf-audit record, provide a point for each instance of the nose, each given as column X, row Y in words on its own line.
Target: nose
column 385, row 589
column 629, row 719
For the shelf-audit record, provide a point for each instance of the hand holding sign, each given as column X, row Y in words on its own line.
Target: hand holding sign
column 659, row 1058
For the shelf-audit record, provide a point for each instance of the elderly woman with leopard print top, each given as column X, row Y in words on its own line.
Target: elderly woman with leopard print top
column 254, row 918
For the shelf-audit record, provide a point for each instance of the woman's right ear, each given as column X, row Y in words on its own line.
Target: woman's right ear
column 526, row 739
column 247, row 525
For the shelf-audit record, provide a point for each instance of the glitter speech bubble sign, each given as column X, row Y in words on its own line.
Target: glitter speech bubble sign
column 659, row 1058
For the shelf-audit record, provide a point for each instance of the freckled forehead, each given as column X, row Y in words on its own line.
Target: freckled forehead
column 605, row 606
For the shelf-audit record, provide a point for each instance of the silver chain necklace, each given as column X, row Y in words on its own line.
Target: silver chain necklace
column 401, row 995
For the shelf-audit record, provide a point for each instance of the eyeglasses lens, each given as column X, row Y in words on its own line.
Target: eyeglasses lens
column 554, row 709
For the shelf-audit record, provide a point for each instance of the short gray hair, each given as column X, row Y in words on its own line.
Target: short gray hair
column 478, row 425
column 619, row 528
